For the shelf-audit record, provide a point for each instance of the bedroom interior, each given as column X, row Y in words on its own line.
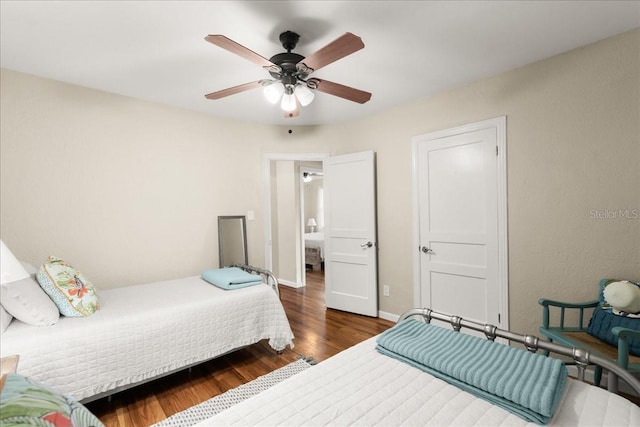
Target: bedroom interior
column 313, row 219
column 129, row 187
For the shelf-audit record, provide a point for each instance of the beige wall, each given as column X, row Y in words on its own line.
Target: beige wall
column 125, row 190
column 573, row 146
column 288, row 268
column 128, row 191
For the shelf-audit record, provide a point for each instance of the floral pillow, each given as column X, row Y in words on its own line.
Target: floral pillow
column 25, row 402
column 72, row 293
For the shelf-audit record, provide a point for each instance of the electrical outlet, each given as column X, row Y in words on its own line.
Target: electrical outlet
column 385, row 290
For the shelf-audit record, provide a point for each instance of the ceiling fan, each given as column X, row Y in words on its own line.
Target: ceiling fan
column 290, row 84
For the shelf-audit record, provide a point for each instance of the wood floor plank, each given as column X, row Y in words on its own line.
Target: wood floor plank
column 319, row 333
column 147, row 411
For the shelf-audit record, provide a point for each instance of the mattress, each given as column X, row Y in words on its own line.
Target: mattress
column 315, row 240
column 144, row 331
column 360, row 386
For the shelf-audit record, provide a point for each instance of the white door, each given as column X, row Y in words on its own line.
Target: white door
column 351, row 282
column 461, row 224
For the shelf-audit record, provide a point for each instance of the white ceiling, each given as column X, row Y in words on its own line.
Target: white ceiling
column 155, row 50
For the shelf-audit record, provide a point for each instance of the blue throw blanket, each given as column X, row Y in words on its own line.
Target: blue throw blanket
column 230, row 278
column 526, row 384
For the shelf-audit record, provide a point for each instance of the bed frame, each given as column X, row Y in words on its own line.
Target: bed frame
column 330, row 393
column 268, row 277
column 580, row 358
column 55, row 371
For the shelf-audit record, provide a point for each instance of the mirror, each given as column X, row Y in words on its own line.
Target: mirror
column 232, row 240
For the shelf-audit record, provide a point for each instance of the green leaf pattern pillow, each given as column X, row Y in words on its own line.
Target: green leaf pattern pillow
column 72, row 293
column 25, row 402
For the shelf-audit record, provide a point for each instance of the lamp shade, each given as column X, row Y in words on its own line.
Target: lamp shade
column 11, row 268
column 312, row 222
column 273, row 92
column 304, row 95
column 288, row 103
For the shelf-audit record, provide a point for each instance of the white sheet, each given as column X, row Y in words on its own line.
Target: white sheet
column 144, row 331
column 315, row 240
column 359, row 386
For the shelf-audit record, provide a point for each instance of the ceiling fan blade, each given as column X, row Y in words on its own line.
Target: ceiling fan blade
column 336, row 89
column 236, row 48
column 344, row 45
column 233, row 90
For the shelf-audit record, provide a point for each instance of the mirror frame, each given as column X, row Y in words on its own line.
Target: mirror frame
column 244, row 237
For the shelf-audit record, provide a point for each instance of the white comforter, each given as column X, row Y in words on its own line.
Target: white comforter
column 315, row 240
column 144, row 331
column 359, row 386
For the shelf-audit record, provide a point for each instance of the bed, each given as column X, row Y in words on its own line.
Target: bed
column 361, row 386
column 146, row 331
column 314, row 249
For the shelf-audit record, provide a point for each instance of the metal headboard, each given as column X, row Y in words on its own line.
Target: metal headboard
column 582, row 358
column 269, row 277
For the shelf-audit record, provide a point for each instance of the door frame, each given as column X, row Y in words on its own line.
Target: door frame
column 266, row 182
column 500, row 124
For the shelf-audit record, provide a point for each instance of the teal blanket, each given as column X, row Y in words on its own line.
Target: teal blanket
column 526, row 384
column 230, row 278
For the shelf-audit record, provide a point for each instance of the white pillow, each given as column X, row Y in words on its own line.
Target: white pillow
column 5, row 319
column 10, row 268
column 26, row 301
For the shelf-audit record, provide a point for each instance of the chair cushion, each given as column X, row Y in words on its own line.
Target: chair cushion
column 601, row 323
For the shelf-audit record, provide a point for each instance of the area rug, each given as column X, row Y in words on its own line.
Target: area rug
column 206, row 409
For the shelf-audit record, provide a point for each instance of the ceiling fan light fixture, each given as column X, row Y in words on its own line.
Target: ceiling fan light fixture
column 290, row 85
column 288, row 103
column 273, row 92
column 304, row 95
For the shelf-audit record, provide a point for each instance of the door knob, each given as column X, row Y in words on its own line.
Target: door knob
column 366, row 245
column 426, row 250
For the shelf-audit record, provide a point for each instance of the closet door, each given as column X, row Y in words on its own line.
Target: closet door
column 462, row 260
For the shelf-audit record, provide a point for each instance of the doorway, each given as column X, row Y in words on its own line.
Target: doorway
column 350, row 247
column 287, row 214
column 312, row 217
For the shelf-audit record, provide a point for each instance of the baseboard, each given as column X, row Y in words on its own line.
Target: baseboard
column 290, row 284
column 388, row 316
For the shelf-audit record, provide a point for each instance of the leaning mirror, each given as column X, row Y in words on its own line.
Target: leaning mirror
column 232, row 240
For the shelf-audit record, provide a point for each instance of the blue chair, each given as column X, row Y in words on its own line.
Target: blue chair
column 606, row 335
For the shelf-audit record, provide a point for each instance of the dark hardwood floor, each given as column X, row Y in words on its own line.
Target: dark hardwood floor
column 319, row 333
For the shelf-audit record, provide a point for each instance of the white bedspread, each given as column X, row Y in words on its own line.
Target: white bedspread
column 359, row 386
column 144, row 331
column 315, row 240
